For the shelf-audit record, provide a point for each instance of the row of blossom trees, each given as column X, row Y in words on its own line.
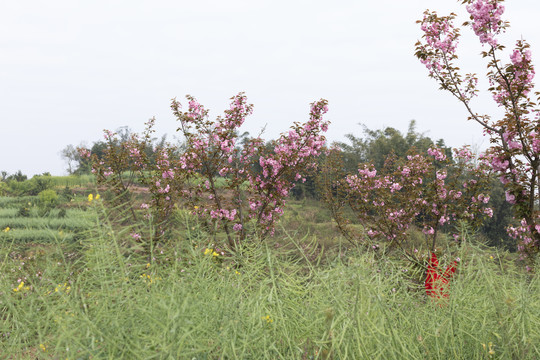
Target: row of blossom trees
column 425, row 188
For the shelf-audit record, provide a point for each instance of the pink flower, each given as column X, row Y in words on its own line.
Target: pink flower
column 510, row 198
column 428, row 231
column 441, row 175
column 437, row 154
column 167, row 174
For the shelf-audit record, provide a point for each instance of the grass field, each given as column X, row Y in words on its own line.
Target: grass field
column 83, row 293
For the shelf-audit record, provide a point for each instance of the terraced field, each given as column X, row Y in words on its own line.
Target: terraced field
column 22, row 219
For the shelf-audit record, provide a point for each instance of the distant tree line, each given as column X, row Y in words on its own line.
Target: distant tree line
column 78, row 165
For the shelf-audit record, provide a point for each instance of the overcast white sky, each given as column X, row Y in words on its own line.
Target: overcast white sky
column 69, row 69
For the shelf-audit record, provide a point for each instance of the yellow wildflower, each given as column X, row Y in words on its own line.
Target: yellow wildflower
column 43, row 347
column 491, row 351
column 268, row 319
column 212, row 252
column 148, row 279
column 97, row 196
column 7, row 229
column 90, row 197
column 20, row 287
column 62, row 287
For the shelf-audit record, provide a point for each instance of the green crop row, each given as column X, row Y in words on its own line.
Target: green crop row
column 72, row 180
column 35, row 236
column 73, row 224
column 9, row 201
column 35, row 212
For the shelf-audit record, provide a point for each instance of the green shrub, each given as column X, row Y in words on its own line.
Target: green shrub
column 29, row 187
column 48, row 198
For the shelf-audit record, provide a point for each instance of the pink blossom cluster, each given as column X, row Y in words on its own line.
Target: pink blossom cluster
column 526, row 235
column 438, row 51
column 486, row 19
column 437, row 153
column 438, row 33
column 440, row 38
column 517, row 82
column 499, row 163
column 464, row 154
column 84, row 153
column 511, row 141
column 523, row 69
column 223, row 214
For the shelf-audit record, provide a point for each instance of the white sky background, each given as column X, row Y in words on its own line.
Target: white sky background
column 69, row 69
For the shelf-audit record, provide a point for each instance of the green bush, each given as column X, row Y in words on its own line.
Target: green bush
column 29, row 187
column 3, row 188
column 48, row 198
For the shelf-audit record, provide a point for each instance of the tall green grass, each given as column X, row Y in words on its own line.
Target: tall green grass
column 99, row 299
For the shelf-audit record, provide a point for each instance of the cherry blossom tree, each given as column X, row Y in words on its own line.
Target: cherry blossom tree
column 515, row 138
